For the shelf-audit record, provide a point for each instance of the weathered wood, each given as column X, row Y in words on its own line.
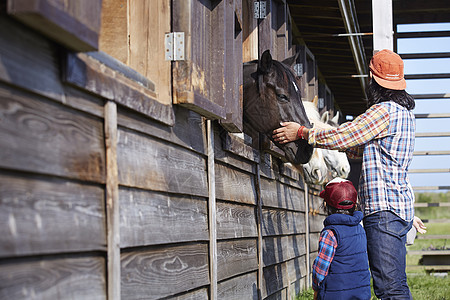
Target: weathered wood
column 236, row 257
column 277, row 222
column 149, row 218
column 278, row 195
column 188, row 131
column 296, row 268
column 112, row 201
column 316, row 222
column 31, row 206
column 275, row 279
column 212, row 212
column 237, row 145
column 43, row 137
column 233, row 72
column 75, row 24
column 38, row 72
column 266, row 31
column 234, row 185
column 114, row 30
column 238, row 288
column 249, row 31
column 192, row 84
column 68, row 277
column 149, row 163
column 201, row 294
column 161, row 272
column 108, row 78
column 235, row 221
column 282, row 248
column 314, row 241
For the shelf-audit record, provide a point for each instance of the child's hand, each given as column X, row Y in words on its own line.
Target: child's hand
column 418, row 224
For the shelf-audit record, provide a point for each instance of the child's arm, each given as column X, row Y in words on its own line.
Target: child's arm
column 327, row 248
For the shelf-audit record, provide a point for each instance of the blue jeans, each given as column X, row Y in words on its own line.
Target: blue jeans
column 386, row 238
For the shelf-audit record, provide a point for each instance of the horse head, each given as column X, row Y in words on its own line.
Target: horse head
column 271, row 96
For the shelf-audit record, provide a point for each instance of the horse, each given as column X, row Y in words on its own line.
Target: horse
column 336, row 161
column 271, row 95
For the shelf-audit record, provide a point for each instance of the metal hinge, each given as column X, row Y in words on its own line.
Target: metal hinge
column 174, row 45
column 298, row 68
column 259, row 10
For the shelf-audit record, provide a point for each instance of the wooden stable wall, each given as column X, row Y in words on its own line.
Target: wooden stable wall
column 105, row 192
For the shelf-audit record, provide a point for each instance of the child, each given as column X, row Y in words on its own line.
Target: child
column 341, row 271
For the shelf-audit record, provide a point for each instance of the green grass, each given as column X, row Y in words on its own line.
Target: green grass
column 422, row 287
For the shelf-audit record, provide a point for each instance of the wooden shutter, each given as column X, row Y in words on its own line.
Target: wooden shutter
column 74, row 24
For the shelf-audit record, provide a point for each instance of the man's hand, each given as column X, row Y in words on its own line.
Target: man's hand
column 287, row 133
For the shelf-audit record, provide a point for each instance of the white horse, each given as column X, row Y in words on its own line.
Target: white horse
column 336, row 161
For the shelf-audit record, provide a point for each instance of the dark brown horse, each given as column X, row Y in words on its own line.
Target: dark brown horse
column 271, row 96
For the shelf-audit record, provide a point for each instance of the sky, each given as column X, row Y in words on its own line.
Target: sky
column 428, row 86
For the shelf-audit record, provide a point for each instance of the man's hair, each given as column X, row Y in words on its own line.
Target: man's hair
column 377, row 94
column 332, row 210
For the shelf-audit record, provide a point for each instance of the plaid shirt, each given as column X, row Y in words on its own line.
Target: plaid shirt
column 384, row 136
column 327, row 248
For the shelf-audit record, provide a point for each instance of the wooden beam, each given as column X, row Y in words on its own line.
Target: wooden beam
column 431, row 153
column 112, row 201
column 446, row 170
column 432, row 134
column 383, row 37
column 430, row 116
column 212, row 212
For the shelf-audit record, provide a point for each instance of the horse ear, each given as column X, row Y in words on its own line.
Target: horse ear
column 325, row 117
column 291, row 61
column 336, row 118
column 265, row 62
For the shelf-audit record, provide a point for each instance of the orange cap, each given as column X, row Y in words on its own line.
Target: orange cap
column 387, row 70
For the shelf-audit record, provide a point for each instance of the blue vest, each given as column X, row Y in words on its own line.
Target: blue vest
column 348, row 276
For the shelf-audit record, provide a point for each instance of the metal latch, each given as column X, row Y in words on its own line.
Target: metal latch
column 259, row 10
column 298, row 68
column 174, row 45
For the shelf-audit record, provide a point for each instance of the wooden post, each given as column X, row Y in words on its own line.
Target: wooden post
column 383, row 37
column 212, row 212
column 112, row 201
column 259, row 222
column 308, row 268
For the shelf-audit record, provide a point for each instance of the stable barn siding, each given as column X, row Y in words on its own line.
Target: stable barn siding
column 94, row 169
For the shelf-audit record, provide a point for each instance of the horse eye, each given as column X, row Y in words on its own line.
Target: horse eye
column 282, row 98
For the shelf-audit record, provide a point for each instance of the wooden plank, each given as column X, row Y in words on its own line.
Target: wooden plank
column 296, row 268
column 74, row 24
column 314, row 241
column 30, row 207
column 161, row 272
column 102, row 75
column 266, row 32
column 149, row 163
column 283, row 248
column 233, row 72
column 112, row 201
column 316, row 222
column 151, row 218
column 431, row 116
column 278, row 195
column 38, row 72
column 201, row 294
column 249, row 31
column 234, row 185
column 274, row 280
column 114, row 29
column 236, row 145
column 212, row 212
column 43, row 137
column 193, row 78
column 235, row 221
column 188, row 131
column 75, row 277
column 236, row 257
column 277, row 222
column 241, row 287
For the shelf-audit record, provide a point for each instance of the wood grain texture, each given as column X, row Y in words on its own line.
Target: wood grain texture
column 281, row 222
column 74, row 24
column 234, row 185
column 31, row 206
column 148, row 163
column 44, row 137
column 316, row 222
column 284, row 248
column 161, row 272
column 278, row 195
column 113, row 32
column 149, row 218
column 59, row 277
column 235, row 221
column 249, row 32
column 274, row 279
column 188, row 131
column 239, row 288
column 201, row 294
column 236, row 257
